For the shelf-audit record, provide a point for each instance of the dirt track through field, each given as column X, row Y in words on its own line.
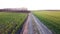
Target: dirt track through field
column 34, row 26
column 25, row 27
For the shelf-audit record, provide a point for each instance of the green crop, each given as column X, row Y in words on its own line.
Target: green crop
column 11, row 22
column 51, row 19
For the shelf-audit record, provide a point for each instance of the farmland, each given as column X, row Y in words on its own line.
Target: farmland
column 11, row 22
column 51, row 19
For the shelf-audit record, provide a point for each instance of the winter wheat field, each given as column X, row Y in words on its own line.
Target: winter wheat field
column 51, row 19
column 34, row 22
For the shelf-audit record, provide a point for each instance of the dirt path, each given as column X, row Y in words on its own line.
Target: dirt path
column 34, row 26
column 28, row 27
column 25, row 27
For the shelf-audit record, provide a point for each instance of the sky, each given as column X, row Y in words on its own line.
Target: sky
column 31, row 4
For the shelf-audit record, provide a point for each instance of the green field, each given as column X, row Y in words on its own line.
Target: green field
column 11, row 22
column 51, row 19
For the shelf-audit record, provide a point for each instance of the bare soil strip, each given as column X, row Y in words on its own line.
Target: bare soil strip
column 35, row 29
column 30, row 26
column 25, row 27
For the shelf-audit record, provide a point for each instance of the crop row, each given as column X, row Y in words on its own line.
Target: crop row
column 11, row 22
column 51, row 19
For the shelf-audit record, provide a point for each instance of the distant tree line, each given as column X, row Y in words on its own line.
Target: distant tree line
column 14, row 10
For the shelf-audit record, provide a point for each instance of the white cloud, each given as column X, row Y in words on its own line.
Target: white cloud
column 30, row 4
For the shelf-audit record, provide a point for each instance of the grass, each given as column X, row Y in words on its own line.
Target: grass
column 51, row 19
column 11, row 22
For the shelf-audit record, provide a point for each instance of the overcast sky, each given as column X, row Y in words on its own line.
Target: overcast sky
column 31, row 4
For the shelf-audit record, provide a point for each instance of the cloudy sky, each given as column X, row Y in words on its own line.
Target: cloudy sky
column 31, row 4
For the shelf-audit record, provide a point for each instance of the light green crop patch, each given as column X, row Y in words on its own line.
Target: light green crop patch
column 51, row 19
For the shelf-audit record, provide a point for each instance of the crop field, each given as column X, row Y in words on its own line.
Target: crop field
column 51, row 19
column 11, row 22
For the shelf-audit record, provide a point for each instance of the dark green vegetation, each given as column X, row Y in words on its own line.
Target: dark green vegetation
column 51, row 19
column 11, row 22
